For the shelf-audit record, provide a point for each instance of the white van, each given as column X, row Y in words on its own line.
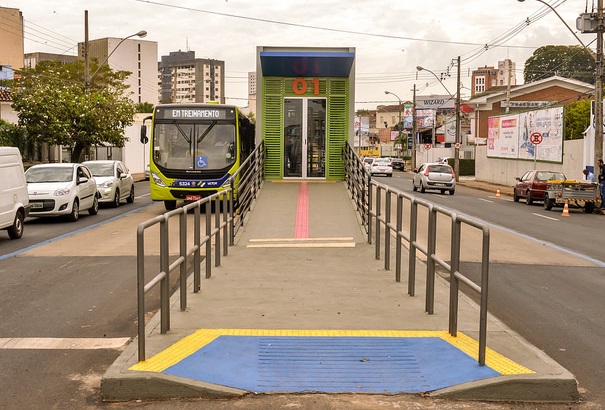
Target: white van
column 14, row 199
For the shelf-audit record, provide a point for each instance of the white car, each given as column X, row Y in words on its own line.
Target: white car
column 114, row 181
column 61, row 189
column 381, row 166
column 436, row 176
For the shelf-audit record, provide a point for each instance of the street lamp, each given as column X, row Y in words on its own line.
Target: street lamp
column 458, row 131
column 141, row 34
column 400, row 124
column 598, row 94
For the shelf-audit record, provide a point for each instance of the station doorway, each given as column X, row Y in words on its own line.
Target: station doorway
column 304, row 138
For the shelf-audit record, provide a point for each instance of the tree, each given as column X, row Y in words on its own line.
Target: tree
column 55, row 106
column 144, row 107
column 576, row 119
column 565, row 61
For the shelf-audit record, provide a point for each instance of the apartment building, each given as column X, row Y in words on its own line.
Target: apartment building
column 11, row 38
column 184, row 78
column 134, row 55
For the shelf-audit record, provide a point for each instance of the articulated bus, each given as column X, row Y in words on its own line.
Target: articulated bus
column 195, row 149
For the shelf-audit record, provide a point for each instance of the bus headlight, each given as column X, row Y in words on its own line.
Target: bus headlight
column 157, row 180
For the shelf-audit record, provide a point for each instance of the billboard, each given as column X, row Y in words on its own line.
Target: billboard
column 510, row 136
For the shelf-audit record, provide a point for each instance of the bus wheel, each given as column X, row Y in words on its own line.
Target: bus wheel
column 170, row 205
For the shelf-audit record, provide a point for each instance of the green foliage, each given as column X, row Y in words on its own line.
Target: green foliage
column 12, row 135
column 565, row 61
column 576, row 119
column 251, row 117
column 55, row 106
column 144, row 107
column 362, row 113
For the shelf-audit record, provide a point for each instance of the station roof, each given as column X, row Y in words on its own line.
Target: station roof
column 306, row 63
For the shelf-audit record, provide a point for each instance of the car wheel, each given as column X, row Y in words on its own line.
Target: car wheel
column 16, row 230
column 515, row 196
column 116, row 199
column 414, row 187
column 422, row 189
column 547, row 203
column 528, row 199
column 94, row 209
column 443, row 192
column 452, row 191
column 75, row 211
column 130, row 198
column 170, row 205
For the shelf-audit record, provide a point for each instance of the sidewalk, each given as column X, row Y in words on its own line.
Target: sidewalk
column 302, row 272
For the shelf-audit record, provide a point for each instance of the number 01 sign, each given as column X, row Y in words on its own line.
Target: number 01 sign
column 300, row 86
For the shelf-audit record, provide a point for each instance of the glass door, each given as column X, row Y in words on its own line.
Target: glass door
column 304, row 138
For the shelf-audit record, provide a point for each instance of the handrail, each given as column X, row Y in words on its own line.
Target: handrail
column 375, row 217
column 231, row 205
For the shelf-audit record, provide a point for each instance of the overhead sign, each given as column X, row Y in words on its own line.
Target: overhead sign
column 436, row 102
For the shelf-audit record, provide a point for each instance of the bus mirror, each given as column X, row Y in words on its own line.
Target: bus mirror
column 144, row 138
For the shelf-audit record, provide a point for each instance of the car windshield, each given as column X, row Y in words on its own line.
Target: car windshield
column 442, row 169
column 100, row 169
column 545, row 176
column 383, row 161
column 49, row 174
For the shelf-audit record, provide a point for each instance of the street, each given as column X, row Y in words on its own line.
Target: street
column 88, row 292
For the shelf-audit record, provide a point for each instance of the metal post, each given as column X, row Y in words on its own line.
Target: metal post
column 430, row 261
column 165, row 283
column 387, row 232
column 412, row 253
column 208, row 256
column 414, row 131
column 455, row 267
column 399, row 245
column 141, row 291
column 183, row 252
column 458, row 128
column 598, row 138
column 197, row 258
column 378, row 215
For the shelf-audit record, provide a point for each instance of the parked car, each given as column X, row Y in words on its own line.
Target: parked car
column 367, row 162
column 436, row 176
column 61, row 189
column 532, row 185
column 381, row 166
column 14, row 199
column 114, row 181
column 444, row 160
column 398, row 164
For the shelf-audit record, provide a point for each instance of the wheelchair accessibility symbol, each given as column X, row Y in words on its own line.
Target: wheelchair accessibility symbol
column 201, row 162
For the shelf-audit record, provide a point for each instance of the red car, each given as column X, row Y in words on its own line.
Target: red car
column 532, row 185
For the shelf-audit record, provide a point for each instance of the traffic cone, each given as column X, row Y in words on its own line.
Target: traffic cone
column 497, row 194
column 565, row 209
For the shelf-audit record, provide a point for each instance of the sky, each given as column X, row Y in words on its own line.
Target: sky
column 391, row 38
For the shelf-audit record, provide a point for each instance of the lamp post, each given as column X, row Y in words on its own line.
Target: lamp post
column 458, row 122
column 88, row 78
column 400, row 124
column 598, row 93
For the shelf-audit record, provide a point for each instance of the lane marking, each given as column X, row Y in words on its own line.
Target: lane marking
column 301, row 227
column 300, row 239
column 52, row 343
column 305, row 245
column 486, row 200
column 546, row 217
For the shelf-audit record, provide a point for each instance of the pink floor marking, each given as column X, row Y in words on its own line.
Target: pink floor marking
column 301, row 228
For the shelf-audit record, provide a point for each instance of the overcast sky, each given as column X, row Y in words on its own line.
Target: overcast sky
column 391, row 37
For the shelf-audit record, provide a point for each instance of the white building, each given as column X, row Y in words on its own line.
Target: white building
column 135, row 55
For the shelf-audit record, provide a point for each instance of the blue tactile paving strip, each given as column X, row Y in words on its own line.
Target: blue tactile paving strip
column 328, row 361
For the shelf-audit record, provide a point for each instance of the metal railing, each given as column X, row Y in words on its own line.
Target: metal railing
column 231, row 207
column 369, row 195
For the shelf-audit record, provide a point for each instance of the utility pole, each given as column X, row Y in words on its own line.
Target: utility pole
column 86, row 58
column 598, row 137
column 458, row 128
column 414, row 130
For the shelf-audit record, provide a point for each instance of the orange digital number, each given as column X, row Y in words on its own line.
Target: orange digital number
column 300, row 86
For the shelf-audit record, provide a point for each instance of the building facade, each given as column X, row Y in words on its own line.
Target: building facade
column 32, row 59
column 134, row 55
column 184, row 78
column 11, row 38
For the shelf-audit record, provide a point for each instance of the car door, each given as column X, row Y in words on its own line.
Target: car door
column 525, row 183
column 86, row 190
column 124, row 179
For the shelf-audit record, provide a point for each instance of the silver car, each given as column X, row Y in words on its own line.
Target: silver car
column 114, row 181
column 435, row 176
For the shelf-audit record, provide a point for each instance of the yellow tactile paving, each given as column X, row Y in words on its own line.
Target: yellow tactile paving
column 202, row 337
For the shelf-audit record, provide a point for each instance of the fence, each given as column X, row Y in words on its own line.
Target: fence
column 231, row 207
column 369, row 195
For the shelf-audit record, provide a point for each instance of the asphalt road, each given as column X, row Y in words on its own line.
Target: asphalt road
column 94, row 297
column 557, row 308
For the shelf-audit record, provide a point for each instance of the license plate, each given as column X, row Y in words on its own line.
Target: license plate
column 193, row 197
column 36, row 205
column 439, row 184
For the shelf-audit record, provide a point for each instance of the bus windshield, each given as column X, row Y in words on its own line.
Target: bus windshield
column 198, row 146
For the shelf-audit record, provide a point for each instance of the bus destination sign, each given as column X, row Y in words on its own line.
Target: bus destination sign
column 195, row 113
